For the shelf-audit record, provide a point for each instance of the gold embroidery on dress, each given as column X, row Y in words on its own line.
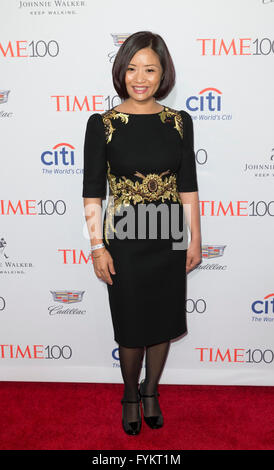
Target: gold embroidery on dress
column 164, row 116
column 107, row 116
column 169, row 112
column 153, row 187
column 126, row 191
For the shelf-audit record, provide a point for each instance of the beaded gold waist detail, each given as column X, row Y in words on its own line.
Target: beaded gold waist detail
column 153, row 187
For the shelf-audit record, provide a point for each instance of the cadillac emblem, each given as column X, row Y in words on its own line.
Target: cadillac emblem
column 67, row 296
column 4, row 96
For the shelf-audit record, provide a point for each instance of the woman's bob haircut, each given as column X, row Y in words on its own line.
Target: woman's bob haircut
column 133, row 44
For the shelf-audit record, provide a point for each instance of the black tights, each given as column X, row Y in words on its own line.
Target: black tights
column 131, row 360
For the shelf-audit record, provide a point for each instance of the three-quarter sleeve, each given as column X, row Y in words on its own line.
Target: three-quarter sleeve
column 187, row 174
column 95, row 162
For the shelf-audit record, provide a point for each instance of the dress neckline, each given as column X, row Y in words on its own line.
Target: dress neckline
column 141, row 114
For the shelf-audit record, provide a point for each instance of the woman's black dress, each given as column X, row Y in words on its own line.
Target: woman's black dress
column 147, row 159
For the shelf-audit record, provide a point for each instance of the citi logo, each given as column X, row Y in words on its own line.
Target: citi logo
column 61, row 154
column 264, row 306
column 208, row 99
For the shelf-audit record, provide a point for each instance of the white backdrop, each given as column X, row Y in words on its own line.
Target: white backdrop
column 55, row 70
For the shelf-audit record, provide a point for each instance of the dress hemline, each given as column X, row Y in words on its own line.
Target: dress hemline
column 150, row 344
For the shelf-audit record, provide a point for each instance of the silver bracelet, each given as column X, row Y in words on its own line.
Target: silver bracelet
column 96, row 247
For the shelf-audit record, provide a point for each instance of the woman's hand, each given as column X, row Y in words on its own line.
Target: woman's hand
column 103, row 265
column 193, row 255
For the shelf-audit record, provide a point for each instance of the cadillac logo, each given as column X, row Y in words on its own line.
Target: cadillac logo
column 67, row 296
column 119, row 38
column 4, row 96
column 212, row 251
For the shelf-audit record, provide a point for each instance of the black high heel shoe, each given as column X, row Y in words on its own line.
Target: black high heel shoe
column 131, row 427
column 154, row 422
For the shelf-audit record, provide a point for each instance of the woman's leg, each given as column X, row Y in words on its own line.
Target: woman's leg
column 131, row 360
column 155, row 360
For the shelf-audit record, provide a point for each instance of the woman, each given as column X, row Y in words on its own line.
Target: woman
column 145, row 150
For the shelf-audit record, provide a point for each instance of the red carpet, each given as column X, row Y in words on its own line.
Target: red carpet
column 80, row 416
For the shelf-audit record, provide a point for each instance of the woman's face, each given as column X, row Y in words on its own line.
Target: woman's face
column 143, row 75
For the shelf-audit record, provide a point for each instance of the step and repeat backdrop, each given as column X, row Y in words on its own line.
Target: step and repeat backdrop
column 55, row 71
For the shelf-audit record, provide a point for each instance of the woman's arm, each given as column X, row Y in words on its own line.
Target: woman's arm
column 188, row 191
column 190, row 200
column 102, row 260
column 94, row 190
column 93, row 215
